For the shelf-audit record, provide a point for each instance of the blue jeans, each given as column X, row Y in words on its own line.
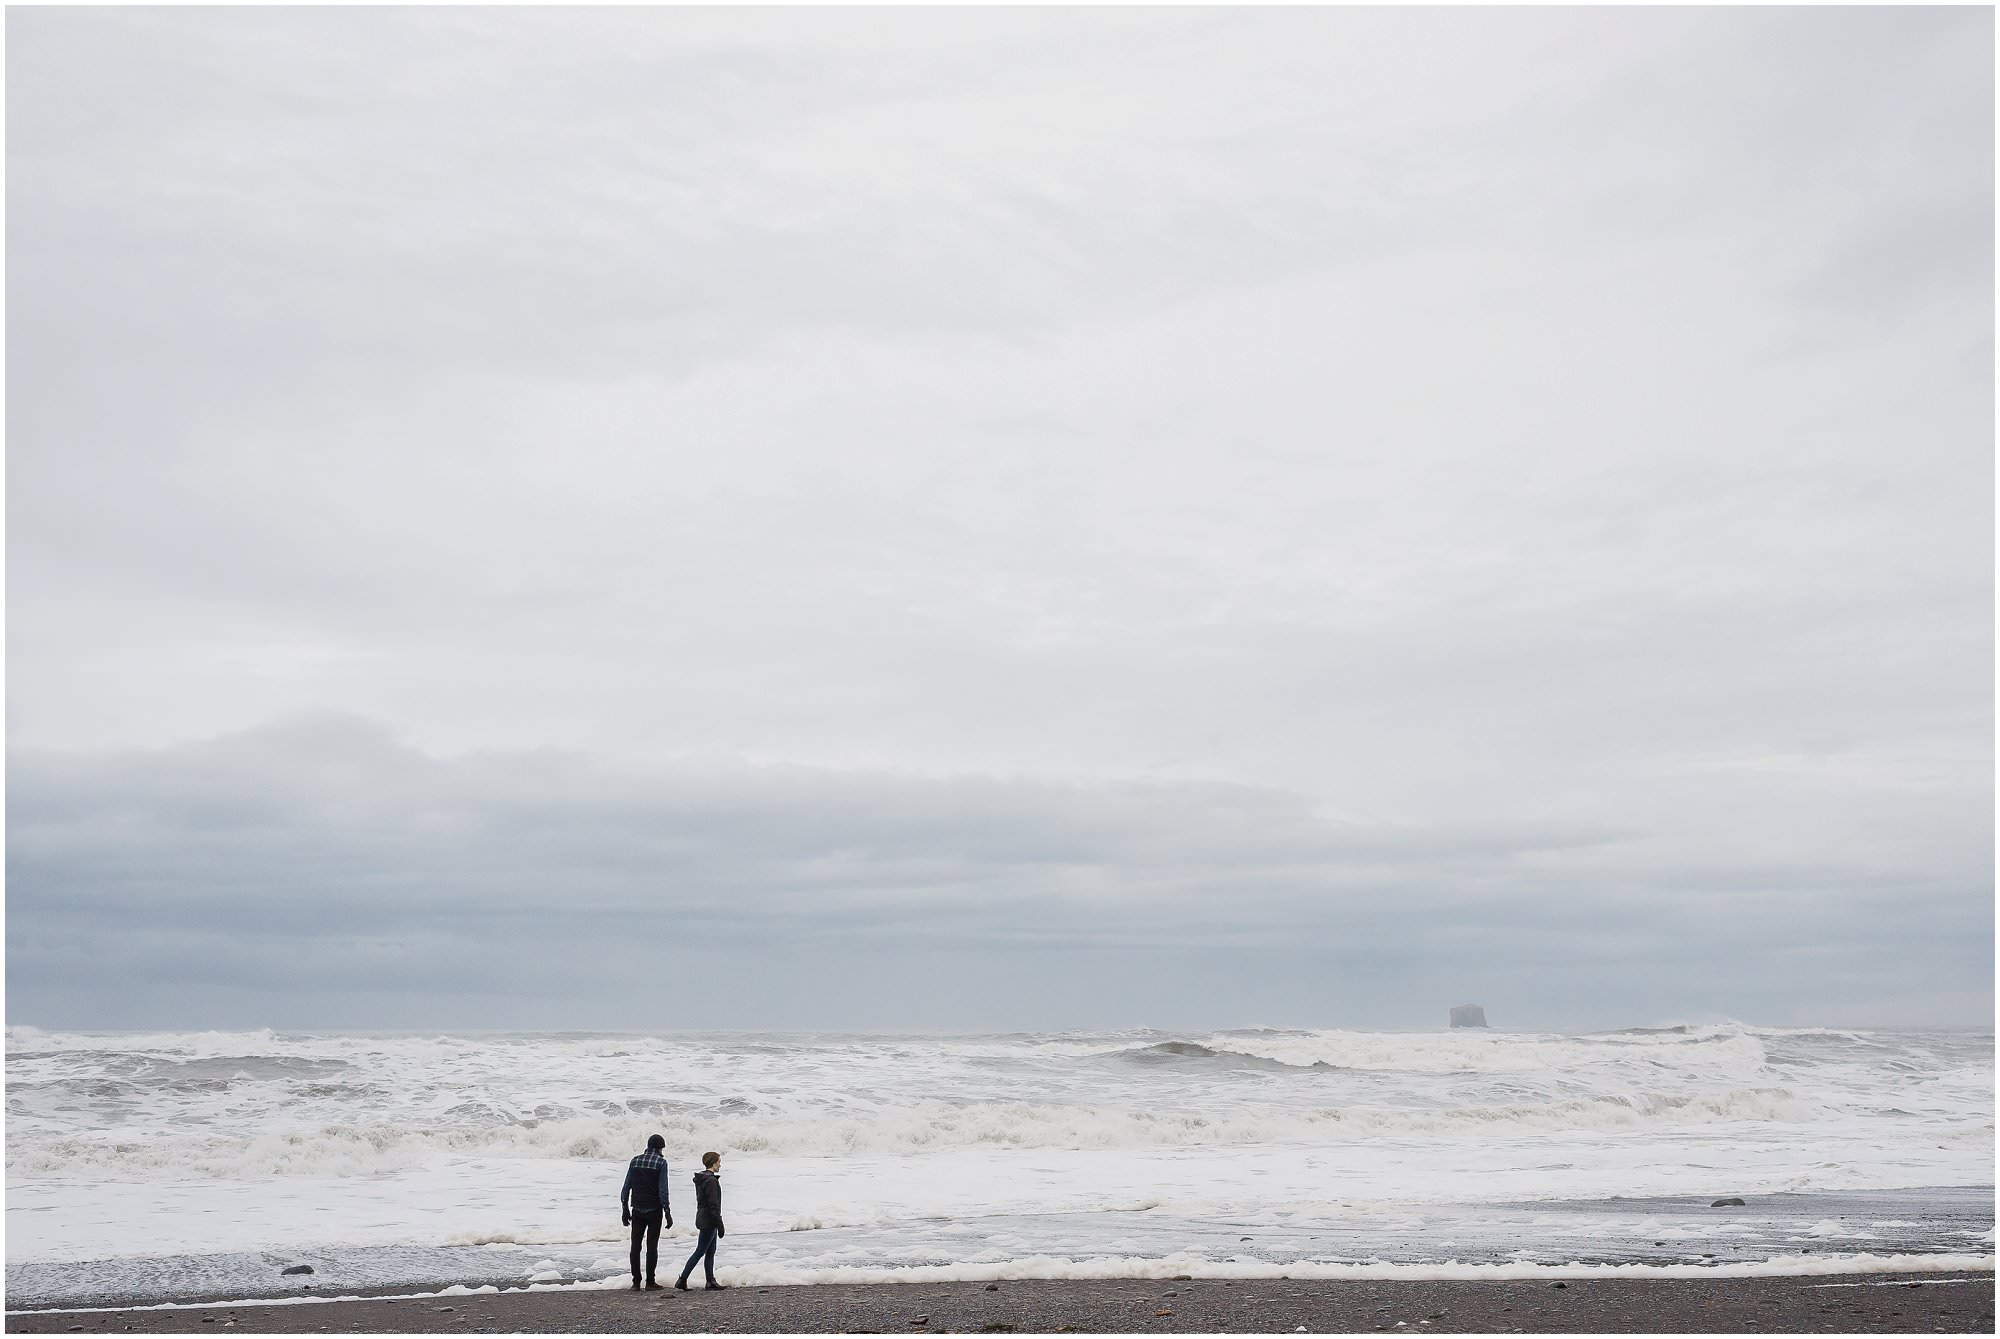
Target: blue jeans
column 704, row 1251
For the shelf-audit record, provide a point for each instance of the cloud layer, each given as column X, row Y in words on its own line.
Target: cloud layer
column 1104, row 501
column 322, row 869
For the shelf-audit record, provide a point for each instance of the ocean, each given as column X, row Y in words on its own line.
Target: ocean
column 155, row 1167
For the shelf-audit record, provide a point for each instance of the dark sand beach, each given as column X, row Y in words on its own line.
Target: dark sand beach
column 1879, row 1304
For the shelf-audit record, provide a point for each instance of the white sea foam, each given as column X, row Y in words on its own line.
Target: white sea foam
column 842, row 1145
column 1167, row 1267
column 920, row 1126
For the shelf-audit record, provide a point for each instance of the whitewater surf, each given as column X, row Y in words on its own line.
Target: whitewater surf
column 412, row 1161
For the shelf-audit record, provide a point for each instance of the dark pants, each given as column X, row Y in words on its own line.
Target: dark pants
column 646, row 1228
column 704, row 1251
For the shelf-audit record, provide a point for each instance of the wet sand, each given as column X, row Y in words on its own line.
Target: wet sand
column 1874, row 1304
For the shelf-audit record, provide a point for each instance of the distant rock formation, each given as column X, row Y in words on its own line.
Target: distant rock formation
column 1467, row 1015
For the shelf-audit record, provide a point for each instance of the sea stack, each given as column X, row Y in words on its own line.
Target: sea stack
column 1467, row 1015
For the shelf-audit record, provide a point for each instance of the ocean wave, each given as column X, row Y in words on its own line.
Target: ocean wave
column 362, row 1150
column 26, row 1040
column 1718, row 1054
column 1724, row 1049
column 1173, row 1052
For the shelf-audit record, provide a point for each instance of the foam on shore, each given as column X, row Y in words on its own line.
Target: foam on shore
column 1171, row 1267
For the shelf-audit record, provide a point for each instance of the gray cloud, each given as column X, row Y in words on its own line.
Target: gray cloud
column 324, row 861
column 1402, row 490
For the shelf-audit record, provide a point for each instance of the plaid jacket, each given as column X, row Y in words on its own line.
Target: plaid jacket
column 645, row 1184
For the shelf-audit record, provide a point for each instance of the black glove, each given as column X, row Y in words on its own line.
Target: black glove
column 719, row 1232
column 625, row 1217
column 670, row 1220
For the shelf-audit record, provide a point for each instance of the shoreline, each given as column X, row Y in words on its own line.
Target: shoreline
column 1916, row 1230
column 1830, row 1271
column 1948, row 1301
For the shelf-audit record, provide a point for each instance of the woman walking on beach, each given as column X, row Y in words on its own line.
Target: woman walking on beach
column 707, row 1219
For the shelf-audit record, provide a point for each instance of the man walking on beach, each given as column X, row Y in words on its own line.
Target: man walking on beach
column 643, row 1206
column 707, row 1219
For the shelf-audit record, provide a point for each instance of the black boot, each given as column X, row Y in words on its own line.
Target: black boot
column 682, row 1283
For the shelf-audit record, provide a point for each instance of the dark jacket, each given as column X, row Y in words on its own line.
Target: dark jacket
column 707, row 1201
column 645, row 1189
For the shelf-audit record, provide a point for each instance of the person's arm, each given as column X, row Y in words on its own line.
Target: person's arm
column 625, row 1197
column 666, row 1205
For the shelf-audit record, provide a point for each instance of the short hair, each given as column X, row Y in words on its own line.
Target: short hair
column 710, row 1159
column 656, row 1141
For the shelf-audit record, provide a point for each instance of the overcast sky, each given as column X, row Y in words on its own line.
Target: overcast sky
column 994, row 519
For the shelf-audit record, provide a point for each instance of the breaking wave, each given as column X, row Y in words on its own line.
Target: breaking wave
column 1732, row 1047
column 1087, row 1151
column 362, row 1150
column 1194, row 1052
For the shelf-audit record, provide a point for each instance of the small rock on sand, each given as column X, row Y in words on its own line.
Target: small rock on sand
column 993, row 1287
column 299, row 1269
column 1731, row 1203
